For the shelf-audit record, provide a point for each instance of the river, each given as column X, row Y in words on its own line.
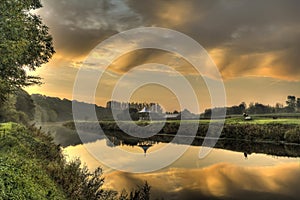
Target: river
column 222, row 174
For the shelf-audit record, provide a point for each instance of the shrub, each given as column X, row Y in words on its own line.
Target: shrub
column 292, row 135
column 33, row 167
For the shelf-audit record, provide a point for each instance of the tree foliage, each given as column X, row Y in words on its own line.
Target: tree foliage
column 33, row 167
column 25, row 44
column 292, row 105
column 18, row 107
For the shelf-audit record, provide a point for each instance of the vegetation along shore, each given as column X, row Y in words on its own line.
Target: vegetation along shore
column 33, row 167
column 256, row 130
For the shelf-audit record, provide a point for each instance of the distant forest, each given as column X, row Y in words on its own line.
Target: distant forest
column 22, row 107
column 292, row 105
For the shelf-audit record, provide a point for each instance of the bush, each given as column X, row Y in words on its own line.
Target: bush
column 292, row 135
column 33, row 167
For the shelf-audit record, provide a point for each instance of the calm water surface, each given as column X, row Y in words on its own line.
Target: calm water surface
column 223, row 174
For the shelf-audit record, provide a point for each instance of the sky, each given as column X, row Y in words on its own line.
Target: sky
column 254, row 44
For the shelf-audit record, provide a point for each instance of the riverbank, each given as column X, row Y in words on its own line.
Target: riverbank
column 258, row 130
column 23, row 158
column 33, row 167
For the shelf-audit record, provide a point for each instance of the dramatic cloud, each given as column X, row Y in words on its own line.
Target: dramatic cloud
column 253, row 37
column 254, row 43
column 77, row 26
column 244, row 37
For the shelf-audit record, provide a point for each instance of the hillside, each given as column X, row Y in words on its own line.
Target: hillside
column 54, row 109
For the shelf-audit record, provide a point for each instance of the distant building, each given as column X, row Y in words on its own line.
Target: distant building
column 145, row 145
column 144, row 114
column 171, row 116
column 151, row 107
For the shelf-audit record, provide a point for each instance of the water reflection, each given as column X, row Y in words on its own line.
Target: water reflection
column 67, row 137
column 222, row 174
column 222, row 180
column 188, row 160
column 243, row 171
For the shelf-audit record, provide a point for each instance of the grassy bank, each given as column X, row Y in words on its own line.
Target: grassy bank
column 22, row 167
column 33, row 167
column 257, row 130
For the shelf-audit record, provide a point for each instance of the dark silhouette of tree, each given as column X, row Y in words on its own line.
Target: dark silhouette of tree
column 142, row 193
column 279, row 108
column 175, row 112
column 291, row 103
column 298, row 104
column 242, row 107
column 259, row 108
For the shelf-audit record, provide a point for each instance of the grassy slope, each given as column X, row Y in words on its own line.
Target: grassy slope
column 22, row 175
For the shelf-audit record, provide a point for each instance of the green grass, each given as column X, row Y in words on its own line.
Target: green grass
column 260, row 120
column 6, row 126
column 22, row 173
column 233, row 120
column 240, row 120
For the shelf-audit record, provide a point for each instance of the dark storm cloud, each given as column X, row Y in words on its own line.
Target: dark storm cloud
column 77, row 26
column 239, row 28
column 252, row 36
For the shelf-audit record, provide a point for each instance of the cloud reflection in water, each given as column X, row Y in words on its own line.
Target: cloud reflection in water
column 222, row 175
column 221, row 180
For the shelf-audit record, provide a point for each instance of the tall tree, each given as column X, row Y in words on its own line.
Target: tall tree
column 25, row 44
column 291, row 103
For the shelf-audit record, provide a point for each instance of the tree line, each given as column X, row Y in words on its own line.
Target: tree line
column 292, row 105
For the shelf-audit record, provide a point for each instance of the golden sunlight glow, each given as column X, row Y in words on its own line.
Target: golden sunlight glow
column 219, row 180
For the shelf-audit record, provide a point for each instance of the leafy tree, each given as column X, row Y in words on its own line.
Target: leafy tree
column 25, row 44
column 259, row 108
column 278, row 107
column 24, row 103
column 9, row 112
column 291, row 103
column 243, row 107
